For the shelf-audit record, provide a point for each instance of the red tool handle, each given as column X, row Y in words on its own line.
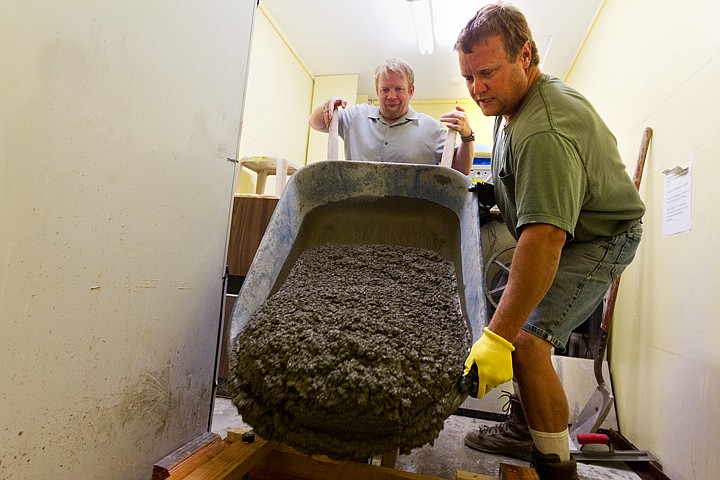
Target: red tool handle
column 593, row 439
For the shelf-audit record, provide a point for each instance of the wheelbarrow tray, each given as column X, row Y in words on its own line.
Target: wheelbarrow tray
column 368, row 203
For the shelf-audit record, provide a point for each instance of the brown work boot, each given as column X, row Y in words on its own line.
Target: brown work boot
column 511, row 438
column 549, row 467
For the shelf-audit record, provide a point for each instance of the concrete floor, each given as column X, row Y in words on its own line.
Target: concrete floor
column 447, row 455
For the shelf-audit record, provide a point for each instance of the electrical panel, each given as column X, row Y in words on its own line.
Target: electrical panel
column 480, row 170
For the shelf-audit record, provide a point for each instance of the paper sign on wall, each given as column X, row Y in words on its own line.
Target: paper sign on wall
column 677, row 200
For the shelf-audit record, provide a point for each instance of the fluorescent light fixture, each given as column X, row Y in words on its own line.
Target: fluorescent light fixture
column 423, row 25
column 543, row 43
column 450, row 17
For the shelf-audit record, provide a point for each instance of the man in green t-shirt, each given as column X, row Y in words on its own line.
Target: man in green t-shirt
column 565, row 196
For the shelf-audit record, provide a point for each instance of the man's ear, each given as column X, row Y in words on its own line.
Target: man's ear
column 412, row 90
column 527, row 53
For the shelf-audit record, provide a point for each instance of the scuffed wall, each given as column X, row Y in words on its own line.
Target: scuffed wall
column 116, row 123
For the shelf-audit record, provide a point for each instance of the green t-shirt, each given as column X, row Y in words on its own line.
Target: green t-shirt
column 557, row 162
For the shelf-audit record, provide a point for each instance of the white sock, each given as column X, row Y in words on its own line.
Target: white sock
column 552, row 443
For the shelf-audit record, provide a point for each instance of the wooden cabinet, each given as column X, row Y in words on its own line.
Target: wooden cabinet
column 250, row 217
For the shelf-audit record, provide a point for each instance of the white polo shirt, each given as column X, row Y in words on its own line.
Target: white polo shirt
column 416, row 138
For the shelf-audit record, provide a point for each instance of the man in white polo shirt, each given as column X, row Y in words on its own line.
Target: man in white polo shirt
column 393, row 131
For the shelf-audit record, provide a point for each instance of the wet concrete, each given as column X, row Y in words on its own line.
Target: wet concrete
column 355, row 354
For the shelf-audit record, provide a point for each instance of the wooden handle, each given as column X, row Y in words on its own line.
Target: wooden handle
column 644, row 145
column 332, row 150
column 610, row 305
column 449, row 150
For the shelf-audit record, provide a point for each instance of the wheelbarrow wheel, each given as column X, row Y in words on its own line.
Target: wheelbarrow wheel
column 497, row 271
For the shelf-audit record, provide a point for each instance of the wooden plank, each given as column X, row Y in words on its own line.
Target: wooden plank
column 515, row 472
column 190, row 455
column 235, row 434
column 234, row 462
column 198, row 459
column 282, row 465
column 460, row 475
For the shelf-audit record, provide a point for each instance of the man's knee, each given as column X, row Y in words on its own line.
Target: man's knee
column 530, row 351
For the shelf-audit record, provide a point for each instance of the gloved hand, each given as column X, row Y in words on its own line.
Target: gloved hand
column 491, row 357
column 485, row 195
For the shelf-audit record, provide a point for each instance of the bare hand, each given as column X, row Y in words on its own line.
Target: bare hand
column 329, row 108
column 457, row 120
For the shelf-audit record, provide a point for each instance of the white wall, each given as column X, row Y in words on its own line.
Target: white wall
column 116, row 122
column 656, row 63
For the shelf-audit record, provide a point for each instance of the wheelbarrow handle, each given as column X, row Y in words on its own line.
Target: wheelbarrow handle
column 449, row 149
column 470, row 383
column 332, row 149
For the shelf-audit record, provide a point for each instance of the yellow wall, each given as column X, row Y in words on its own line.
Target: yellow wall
column 657, row 63
column 278, row 103
column 482, row 125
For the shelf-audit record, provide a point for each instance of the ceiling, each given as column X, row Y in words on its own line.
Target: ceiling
column 337, row 37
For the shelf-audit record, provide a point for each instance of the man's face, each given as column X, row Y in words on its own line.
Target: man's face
column 497, row 85
column 394, row 95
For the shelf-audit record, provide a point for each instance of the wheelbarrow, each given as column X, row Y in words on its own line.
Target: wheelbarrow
column 363, row 203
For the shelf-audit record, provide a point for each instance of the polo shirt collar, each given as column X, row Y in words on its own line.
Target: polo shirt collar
column 409, row 116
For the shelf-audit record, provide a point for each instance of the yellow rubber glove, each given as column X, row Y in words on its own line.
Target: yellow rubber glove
column 491, row 357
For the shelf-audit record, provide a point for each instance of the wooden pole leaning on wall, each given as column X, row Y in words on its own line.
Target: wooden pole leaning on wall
column 611, row 296
column 642, row 154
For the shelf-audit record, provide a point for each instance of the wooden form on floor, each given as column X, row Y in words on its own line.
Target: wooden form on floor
column 188, row 457
column 472, row 476
column 209, row 458
column 507, row 472
column 286, row 464
column 514, row 472
column 230, row 461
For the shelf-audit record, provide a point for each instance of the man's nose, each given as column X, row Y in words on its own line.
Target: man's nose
column 477, row 88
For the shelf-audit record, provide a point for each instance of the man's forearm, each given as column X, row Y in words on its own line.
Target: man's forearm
column 317, row 118
column 464, row 155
